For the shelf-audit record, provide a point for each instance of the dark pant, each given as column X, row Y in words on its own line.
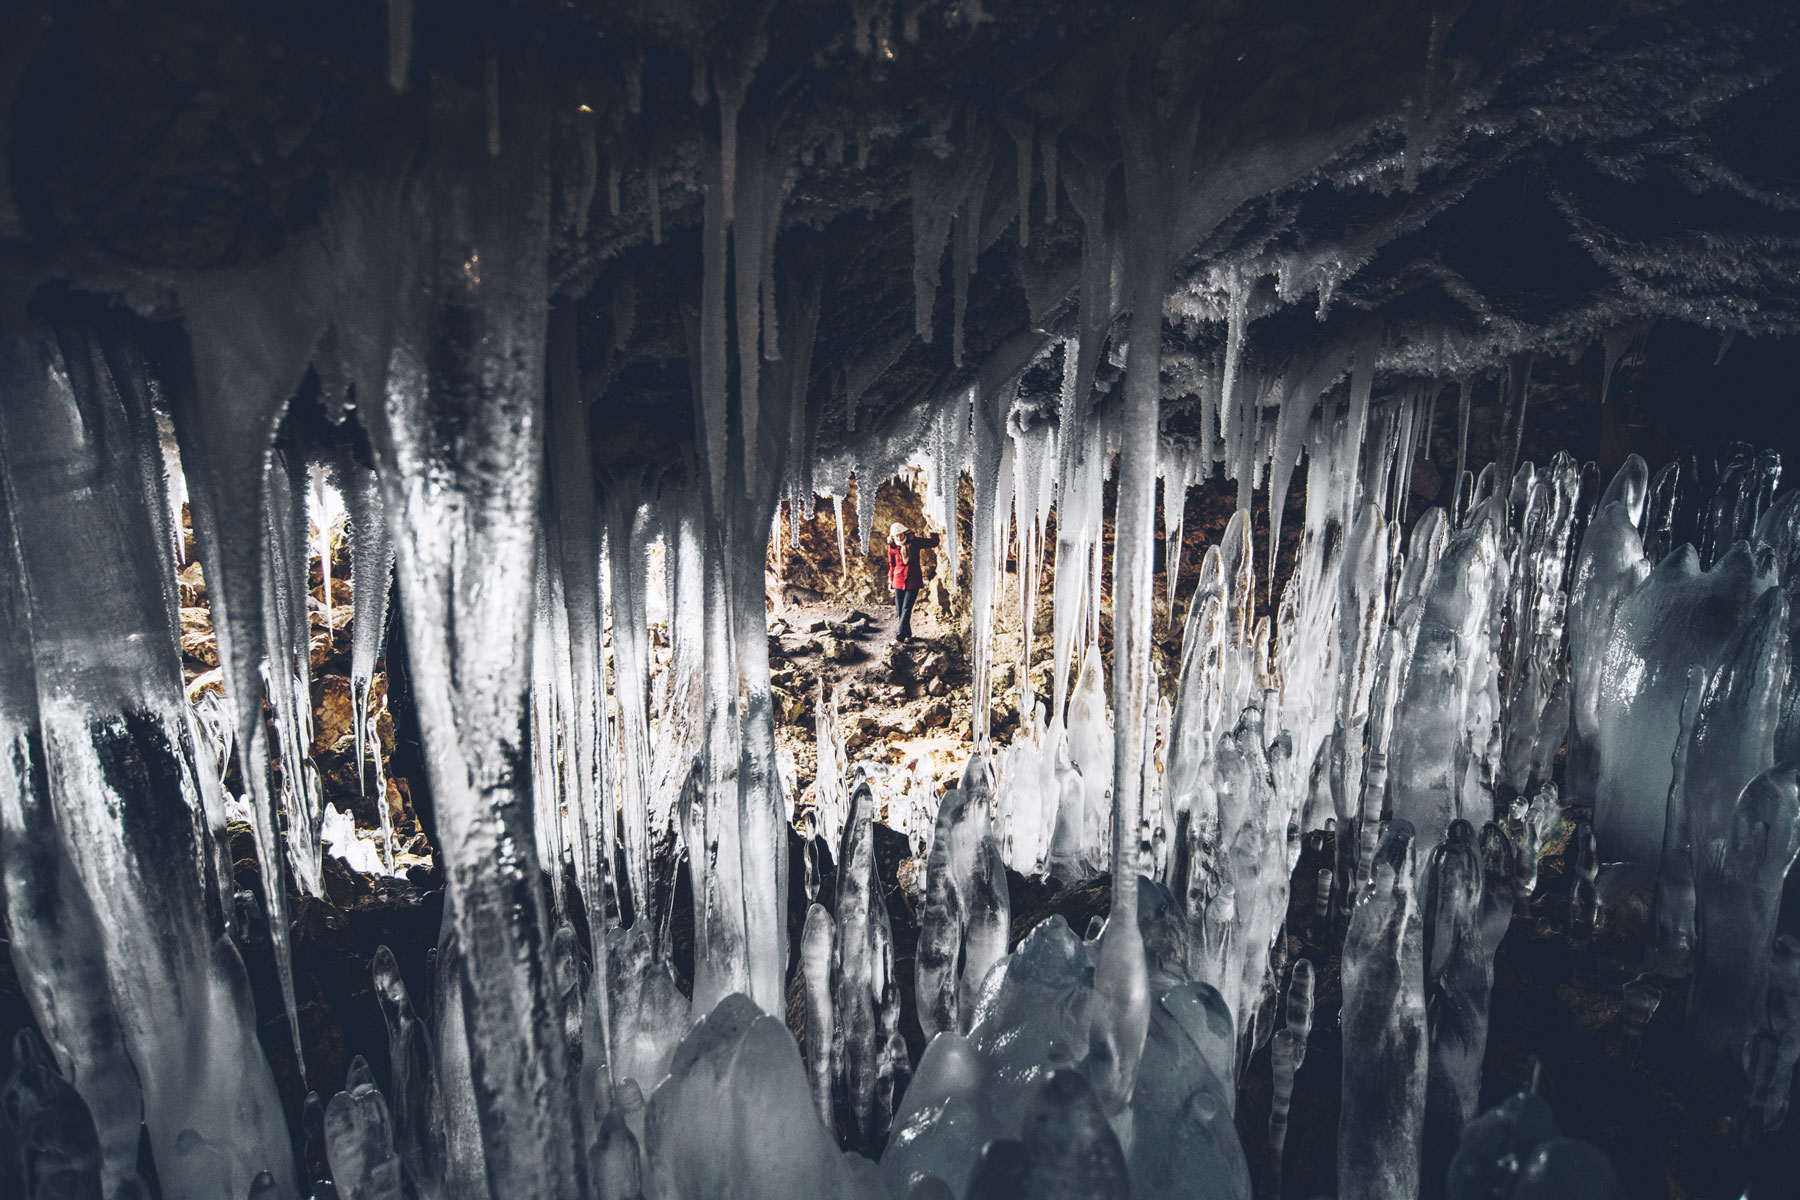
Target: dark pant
column 904, row 599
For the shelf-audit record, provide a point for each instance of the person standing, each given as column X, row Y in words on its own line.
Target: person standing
column 904, row 575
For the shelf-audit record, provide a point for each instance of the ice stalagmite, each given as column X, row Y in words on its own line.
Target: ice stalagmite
column 1362, row 613
column 941, row 919
column 1610, row 565
column 114, row 766
column 816, row 953
column 1673, row 907
column 1287, row 1053
column 1384, row 1023
column 459, row 444
column 1773, row 1049
column 648, row 1011
column 734, row 1118
column 1536, row 698
column 1679, row 616
column 1443, row 706
column 861, row 972
column 414, row 1098
column 1738, row 876
column 359, row 1138
column 52, row 1146
column 1468, row 907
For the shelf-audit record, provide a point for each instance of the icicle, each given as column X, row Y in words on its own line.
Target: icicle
column 1087, row 186
column 399, row 44
column 1465, row 385
column 371, row 571
column 1174, row 502
column 570, row 503
column 653, row 194
column 966, row 251
column 931, row 220
column 286, row 671
column 714, row 400
column 837, row 520
column 1237, row 300
column 491, row 88
column 865, row 513
column 633, row 66
column 1613, row 348
column 699, row 90
column 1023, row 131
column 587, row 134
column 744, row 175
column 1047, row 143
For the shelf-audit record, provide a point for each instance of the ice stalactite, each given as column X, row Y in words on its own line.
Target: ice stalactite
column 248, row 352
column 990, row 464
column 472, row 424
column 287, row 673
column 1158, row 160
column 115, row 771
column 628, row 526
column 573, row 532
column 941, row 178
column 371, row 581
column 52, row 926
column 1023, row 131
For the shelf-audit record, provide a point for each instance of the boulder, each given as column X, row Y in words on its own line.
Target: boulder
column 839, row 650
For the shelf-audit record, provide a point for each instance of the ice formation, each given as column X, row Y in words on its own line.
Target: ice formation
column 1409, row 685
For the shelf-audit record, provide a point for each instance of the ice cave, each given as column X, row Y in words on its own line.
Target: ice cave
column 899, row 600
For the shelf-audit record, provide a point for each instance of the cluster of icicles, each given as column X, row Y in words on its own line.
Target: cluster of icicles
column 1414, row 683
column 1410, row 683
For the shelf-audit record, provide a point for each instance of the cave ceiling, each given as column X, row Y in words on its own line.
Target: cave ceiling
column 1450, row 185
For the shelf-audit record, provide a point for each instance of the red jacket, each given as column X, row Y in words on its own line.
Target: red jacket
column 903, row 562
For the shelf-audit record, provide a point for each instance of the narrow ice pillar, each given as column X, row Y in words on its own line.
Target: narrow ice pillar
column 1157, row 160
column 461, row 438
